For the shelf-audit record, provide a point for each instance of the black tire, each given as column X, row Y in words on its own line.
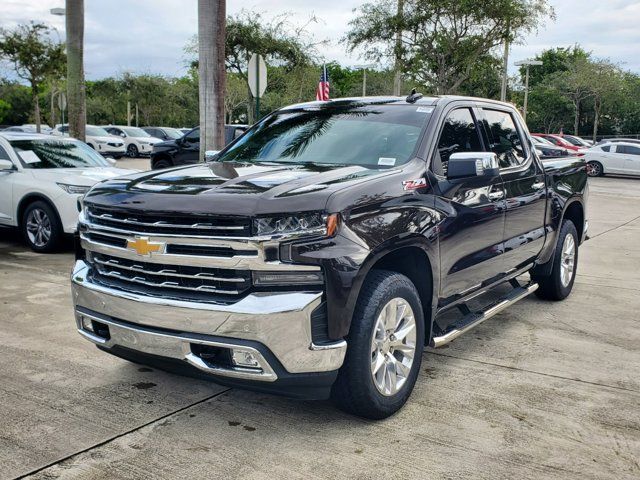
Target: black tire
column 163, row 163
column 354, row 390
column 35, row 242
column 132, row 151
column 595, row 169
column 551, row 287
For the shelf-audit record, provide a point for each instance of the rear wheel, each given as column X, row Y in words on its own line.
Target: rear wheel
column 164, row 163
column 384, row 348
column 41, row 228
column 594, row 169
column 559, row 283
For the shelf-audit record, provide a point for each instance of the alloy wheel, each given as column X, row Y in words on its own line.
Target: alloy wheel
column 393, row 346
column 567, row 260
column 38, row 227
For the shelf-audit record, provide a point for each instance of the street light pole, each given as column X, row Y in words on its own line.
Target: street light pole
column 364, row 76
column 527, row 64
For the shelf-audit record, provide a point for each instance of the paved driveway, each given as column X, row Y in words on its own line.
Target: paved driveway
column 543, row 390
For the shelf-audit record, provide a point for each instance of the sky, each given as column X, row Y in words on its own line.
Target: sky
column 148, row 36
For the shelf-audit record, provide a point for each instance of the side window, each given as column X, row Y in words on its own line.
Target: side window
column 459, row 134
column 193, row 136
column 606, row 148
column 4, row 155
column 64, row 129
column 504, row 138
column 628, row 149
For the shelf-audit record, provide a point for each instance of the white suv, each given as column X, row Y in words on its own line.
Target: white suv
column 97, row 138
column 138, row 142
column 41, row 179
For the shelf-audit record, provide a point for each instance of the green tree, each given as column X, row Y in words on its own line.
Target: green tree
column 442, row 40
column 35, row 57
column 5, row 108
column 554, row 60
column 19, row 99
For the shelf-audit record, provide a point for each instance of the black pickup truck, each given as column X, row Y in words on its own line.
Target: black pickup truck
column 318, row 253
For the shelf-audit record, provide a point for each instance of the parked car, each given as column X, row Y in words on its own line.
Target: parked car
column 137, row 141
column 559, row 141
column 20, row 129
column 615, row 157
column 319, row 253
column 185, row 130
column 97, row 138
column 576, row 141
column 618, row 140
column 164, row 133
column 546, row 149
column 41, row 179
column 186, row 150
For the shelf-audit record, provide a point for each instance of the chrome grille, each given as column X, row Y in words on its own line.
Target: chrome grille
column 160, row 278
column 174, row 224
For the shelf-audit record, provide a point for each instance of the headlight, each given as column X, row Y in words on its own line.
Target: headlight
column 287, row 278
column 304, row 223
column 74, row 189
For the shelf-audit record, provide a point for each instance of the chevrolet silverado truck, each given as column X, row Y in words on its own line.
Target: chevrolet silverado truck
column 319, row 253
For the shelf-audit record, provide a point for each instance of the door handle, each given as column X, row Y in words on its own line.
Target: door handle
column 538, row 185
column 496, row 195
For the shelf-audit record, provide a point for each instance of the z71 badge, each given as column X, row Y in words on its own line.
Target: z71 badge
column 414, row 184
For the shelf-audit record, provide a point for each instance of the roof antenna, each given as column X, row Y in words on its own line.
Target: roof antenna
column 414, row 96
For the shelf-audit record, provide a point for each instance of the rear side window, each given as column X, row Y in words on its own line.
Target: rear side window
column 505, row 140
column 629, row 150
column 459, row 134
column 606, row 148
column 3, row 154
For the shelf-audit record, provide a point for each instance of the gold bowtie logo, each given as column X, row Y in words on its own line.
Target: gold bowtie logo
column 143, row 246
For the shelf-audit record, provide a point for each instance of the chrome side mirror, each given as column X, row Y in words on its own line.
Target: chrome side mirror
column 473, row 164
column 210, row 155
column 6, row 165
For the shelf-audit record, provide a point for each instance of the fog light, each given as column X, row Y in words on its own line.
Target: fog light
column 87, row 324
column 244, row 358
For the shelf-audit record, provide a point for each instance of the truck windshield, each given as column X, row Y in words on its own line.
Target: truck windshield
column 340, row 133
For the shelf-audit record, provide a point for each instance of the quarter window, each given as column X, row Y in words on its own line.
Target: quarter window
column 459, row 134
column 505, row 140
column 606, row 148
column 4, row 155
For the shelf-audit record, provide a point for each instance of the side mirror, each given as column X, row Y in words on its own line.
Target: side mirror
column 210, row 155
column 472, row 164
column 111, row 160
column 123, row 135
column 6, row 165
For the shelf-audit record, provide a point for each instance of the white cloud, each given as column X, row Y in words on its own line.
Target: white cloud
column 149, row 35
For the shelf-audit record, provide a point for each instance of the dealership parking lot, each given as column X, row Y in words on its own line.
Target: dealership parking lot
column 542, row 390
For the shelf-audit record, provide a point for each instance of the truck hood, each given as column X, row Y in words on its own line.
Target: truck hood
column 231, row 188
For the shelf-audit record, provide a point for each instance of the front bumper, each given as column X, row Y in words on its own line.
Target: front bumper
column 275, row 328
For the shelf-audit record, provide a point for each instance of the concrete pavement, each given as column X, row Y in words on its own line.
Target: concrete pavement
column 543, row 390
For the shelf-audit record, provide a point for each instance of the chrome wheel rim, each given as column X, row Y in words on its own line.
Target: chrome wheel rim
column 393, row 346
column 567, row 260
column 38, row 227
column 593, row 169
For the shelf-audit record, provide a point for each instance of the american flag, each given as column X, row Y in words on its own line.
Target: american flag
column 322, row 93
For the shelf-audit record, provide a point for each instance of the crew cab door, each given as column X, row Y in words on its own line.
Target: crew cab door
column 189, row 148
column 524, row 183
column 471, row 242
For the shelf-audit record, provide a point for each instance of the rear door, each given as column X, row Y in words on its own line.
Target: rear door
column 6, row 189
column 631, row 159
column 524, row 183
column 471, row 241
column 613, row 158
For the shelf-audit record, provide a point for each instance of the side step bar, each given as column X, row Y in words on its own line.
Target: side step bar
column 476, row 318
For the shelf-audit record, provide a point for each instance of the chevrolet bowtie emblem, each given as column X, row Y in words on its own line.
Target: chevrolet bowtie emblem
column 143, row 246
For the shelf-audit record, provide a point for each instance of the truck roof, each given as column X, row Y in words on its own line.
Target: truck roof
column 426, row 100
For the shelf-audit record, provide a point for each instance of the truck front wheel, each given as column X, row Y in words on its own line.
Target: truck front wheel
column 384, row 347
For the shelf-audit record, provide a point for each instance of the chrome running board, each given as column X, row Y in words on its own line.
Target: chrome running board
column 474, row 319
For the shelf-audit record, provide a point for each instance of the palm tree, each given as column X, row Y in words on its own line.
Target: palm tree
column 211, row 69
column 75, row 68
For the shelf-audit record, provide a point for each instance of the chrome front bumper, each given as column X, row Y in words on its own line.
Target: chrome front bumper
column 168, row 328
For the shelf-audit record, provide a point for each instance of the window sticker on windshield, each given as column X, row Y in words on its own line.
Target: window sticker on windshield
column 29, row 156
column 389, row 161
column 424, row 109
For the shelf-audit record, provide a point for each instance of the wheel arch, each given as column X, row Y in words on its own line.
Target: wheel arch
column 28, row 199
column 161, row 156
column 574, row 211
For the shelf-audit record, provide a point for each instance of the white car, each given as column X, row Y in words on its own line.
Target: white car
column 138, row 142
column 41, row 179
column 619, row 157
column 97, row 138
